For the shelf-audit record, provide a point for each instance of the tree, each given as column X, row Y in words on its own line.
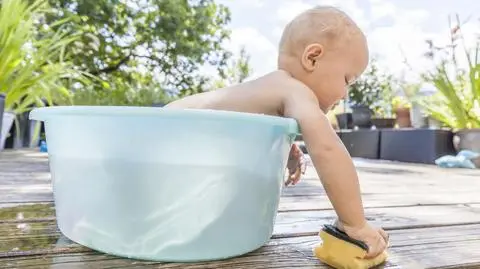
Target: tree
column 237, row 71
column 167, row 40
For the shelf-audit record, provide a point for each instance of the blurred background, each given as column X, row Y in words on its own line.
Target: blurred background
column 423, row 69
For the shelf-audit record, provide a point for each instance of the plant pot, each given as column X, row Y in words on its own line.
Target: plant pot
column 468, row 139
column 415, row 145
column 25, row 128
column 381, row 123
column 7, row 122
column 2, row 108
column 416, row 117
column 344, row 121
column 403, row 117
column 362, row 116
column 433, row 123
column 361, row 143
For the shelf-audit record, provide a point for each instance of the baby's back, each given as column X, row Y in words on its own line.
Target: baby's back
column 262, row 96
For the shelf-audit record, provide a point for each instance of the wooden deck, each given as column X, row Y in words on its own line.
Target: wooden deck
column 431, row 214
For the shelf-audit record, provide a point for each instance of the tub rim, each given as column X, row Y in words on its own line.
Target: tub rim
column 46, row 113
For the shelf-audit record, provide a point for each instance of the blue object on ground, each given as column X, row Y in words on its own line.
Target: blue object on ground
column 43, row 146
column 166, row 184
column 462, row 160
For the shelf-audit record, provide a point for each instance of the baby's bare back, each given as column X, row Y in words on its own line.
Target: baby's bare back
column 264, row 95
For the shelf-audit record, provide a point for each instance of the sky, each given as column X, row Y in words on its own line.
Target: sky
column 395, row 29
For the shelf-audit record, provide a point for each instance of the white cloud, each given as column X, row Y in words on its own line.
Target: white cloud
column 389, row 26
column 401, row 39
column 380, row 9
column 253, row 3
column 290, row 9
column 262, row 50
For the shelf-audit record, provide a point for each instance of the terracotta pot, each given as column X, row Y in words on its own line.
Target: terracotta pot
column 403, row 117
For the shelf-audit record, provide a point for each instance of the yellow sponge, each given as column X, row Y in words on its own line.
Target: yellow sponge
column 340, row 251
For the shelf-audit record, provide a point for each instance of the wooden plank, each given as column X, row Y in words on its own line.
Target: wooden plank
column 372, row 182
column 375, row 180
column 21, row 153
column 308, row 195
column 287, row 202
column 26, row 212
column 380, row 167
column 379, row 200
column 32, row 231
column 414, row 248
column 308, row 222
column 17, row 230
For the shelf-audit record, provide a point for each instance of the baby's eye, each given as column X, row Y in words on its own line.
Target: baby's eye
column 346, row 81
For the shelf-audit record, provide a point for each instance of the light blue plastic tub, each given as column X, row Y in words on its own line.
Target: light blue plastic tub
column 166, row 185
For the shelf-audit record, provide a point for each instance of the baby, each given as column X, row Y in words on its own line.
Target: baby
column 322, row 51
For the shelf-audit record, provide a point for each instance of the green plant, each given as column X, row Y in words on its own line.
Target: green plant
column 399, row 102
column 33, row 65
column 34, row 69
column 141, row 91
column 237, row 71
column 172, row 39
column 373, row 89
column 457, row 102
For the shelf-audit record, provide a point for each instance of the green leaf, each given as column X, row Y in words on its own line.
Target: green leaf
column 32, row 62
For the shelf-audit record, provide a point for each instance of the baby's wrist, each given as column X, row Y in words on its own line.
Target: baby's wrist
column 346, row 226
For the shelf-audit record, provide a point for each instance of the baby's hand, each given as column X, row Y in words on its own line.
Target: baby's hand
column 295, row 165
column 375, row 238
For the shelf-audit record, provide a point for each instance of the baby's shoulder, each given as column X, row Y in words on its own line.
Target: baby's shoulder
column 297, row 97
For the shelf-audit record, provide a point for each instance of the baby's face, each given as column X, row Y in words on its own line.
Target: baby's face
column 336, row 70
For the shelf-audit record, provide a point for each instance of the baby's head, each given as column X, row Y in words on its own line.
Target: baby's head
column 324, row 48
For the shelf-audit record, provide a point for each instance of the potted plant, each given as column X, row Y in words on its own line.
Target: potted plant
column 457, row 101
column 416, row 145
column 2, row 105
column 417, row 113
column 401, row 108
column 370, row 97
column 383, row 108
column 34, row 70
column 343, row 116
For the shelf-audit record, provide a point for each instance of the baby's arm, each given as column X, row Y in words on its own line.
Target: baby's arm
column 335, row 168
column 330, row 158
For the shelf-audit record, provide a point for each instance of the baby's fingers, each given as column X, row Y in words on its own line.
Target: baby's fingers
column 293, row 177
column 296, row 176
column 376, row 247
column 385, row 236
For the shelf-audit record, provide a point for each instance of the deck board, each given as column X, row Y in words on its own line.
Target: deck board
column 439, row 247
column 432, row 215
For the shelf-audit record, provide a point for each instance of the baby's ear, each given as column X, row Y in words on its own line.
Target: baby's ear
column 311, row 55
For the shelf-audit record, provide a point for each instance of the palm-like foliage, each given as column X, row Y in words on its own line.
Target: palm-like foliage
column 457, row 103
column 33, row 66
